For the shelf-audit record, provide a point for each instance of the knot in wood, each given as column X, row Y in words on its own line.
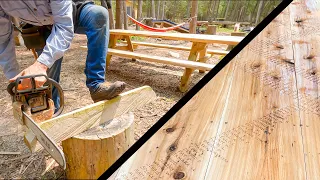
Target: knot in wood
column 309, row 57
column 178, row 175
column 169, row 130
column 172, row 147
column 256, row 65
column 279, row 46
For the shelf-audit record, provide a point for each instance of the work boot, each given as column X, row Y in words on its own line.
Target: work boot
column 107, row 91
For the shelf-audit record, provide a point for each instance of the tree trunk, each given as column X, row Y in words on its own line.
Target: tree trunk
column 217, row 9
column 235, row 11
column 158, row 9
column 240, row 14
column 267, row 7
column 92, row 152
column 188, row 9
column 153, row 10
column 133, row 14
column 111, row 18
column 213, row 10
column 259, row 12
column 252, row 13
column 125, row 18
column 139, row 13
column 226, row 11
column 245, row 11
column 210, row 11
column 162, row 11
column 118, row 14
column 194, row 12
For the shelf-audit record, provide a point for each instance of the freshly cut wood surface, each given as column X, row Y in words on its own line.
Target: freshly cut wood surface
column 181, row 36
column 306, row 47
column 158, row 59
column 258, row 118
column 75, row 122
column 92, row 152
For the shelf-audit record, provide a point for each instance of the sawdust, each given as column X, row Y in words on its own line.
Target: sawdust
column 164, row 80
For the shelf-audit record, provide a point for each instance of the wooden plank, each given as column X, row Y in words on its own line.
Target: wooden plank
column 259, row 121
column 168, row 150
column 222, row 23
column 306, row 44
column 265, row 140
column 183, row 48
column 75, row 122
column 9, row 153
column 158, row 59
column 181, row 36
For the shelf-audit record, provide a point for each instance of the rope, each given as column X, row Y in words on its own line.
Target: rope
column 190, row 19
column 155, row 29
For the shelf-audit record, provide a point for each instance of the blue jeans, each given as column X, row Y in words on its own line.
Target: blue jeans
column 94, row 22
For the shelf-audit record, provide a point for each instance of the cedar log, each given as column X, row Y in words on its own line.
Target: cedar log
column 92, row 152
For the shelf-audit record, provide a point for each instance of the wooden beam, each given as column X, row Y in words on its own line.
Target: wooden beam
column 75, row 122
column 183, row 48
column 200, row 38
column 160, row 59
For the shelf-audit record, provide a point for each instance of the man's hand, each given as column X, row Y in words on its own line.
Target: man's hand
column 34, row 69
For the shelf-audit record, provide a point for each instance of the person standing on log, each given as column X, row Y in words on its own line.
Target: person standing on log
column 57, row 21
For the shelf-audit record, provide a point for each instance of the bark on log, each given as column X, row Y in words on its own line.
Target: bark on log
column 212, row 30
column 92, row 152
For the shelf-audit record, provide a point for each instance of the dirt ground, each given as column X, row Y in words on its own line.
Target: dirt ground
column 164, row 80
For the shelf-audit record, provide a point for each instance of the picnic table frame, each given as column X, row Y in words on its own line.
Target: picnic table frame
column 199, row 46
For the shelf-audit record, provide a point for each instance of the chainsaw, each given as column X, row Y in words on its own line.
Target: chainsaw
column 35, row 105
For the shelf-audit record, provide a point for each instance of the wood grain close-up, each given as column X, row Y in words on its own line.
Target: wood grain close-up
column 258, row 118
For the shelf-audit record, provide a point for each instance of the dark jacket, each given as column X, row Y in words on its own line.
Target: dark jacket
column 77, row 6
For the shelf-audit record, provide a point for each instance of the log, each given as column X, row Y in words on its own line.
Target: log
column 92, row 152
column 211, row 30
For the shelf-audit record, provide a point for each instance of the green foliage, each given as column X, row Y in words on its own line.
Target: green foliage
column 225, row 30
column 238, row 10
column 137, row 38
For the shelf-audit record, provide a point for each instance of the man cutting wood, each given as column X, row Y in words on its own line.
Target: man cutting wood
column 57, row 21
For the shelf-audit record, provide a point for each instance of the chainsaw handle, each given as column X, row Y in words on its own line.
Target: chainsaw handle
column 51, row 83
column 61, row 95
column 10, row 87
column 19, row 79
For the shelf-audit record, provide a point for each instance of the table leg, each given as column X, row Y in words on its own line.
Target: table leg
column 129, row 45
column 196, row 48
column 203, row 57
column 112, row 44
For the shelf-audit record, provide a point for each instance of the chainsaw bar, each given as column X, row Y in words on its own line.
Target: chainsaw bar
column 45, row 140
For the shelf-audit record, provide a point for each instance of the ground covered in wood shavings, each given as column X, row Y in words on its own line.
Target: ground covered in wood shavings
column 164, row 80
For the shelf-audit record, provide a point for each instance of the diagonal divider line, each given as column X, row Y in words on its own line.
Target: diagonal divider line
column 195, row 89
